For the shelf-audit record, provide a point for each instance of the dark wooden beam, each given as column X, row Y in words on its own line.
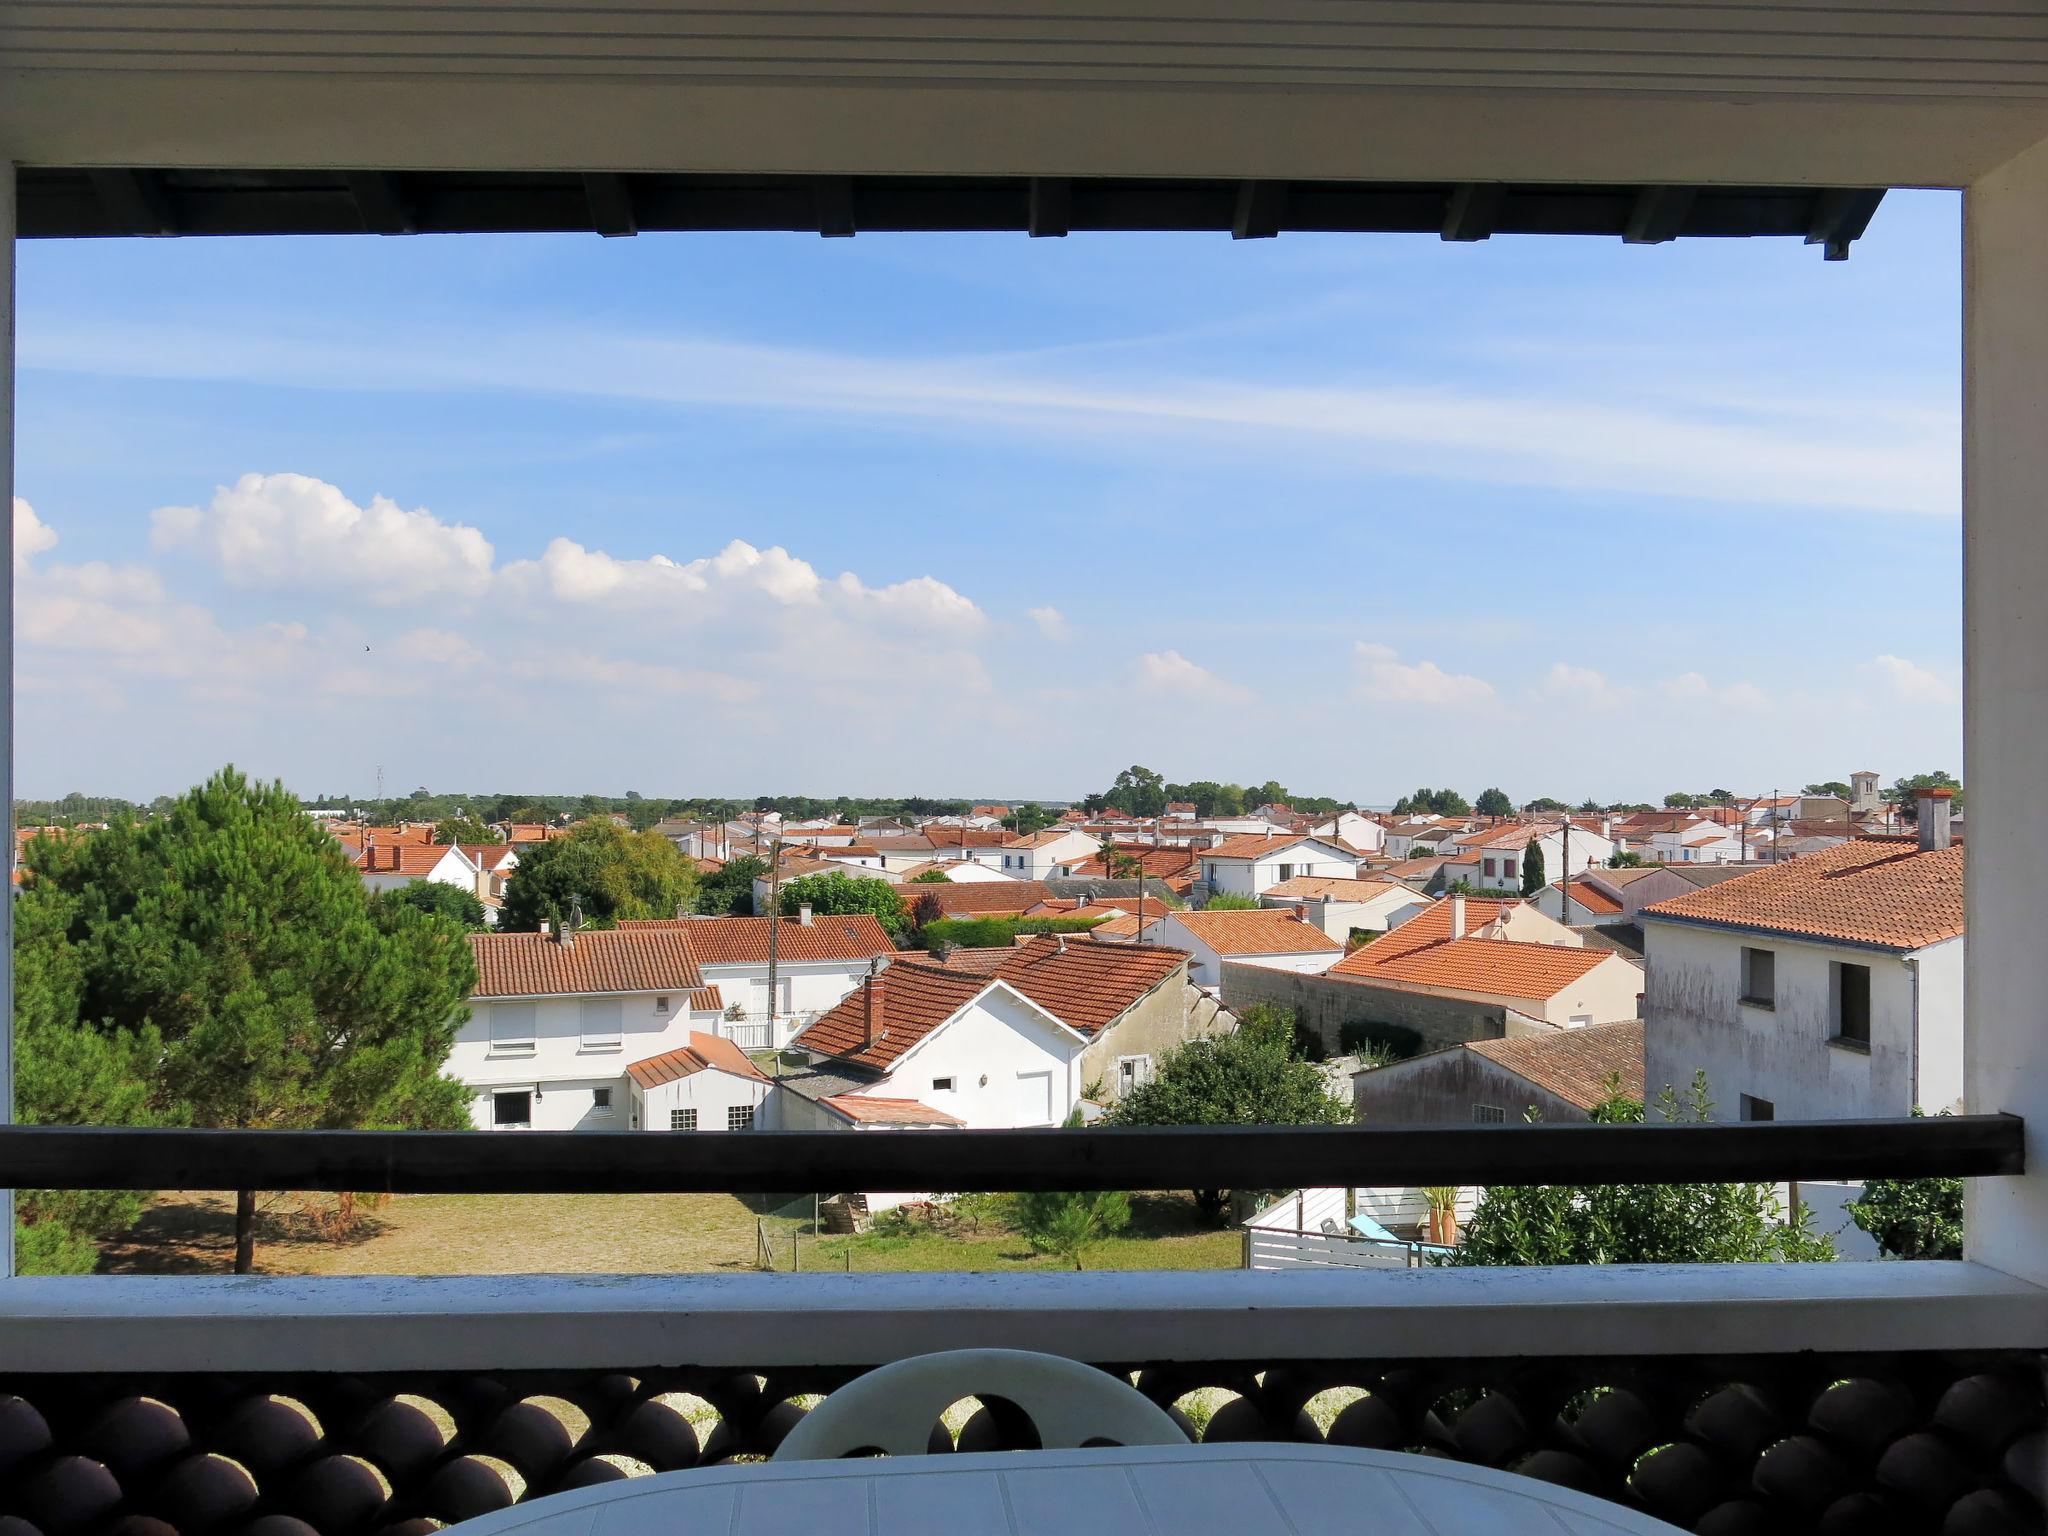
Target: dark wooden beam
column 1658, row 214
column 1241, row 1157
column 1052, row 207
column 1472, row 210
column 135, row 202
column 1840, row 215
column 835, row 205
column 1261, row 205
column 611, row 204
column 381, row 203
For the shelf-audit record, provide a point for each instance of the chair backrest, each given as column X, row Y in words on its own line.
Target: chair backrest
column 1330, row 1227
column 893, row 1408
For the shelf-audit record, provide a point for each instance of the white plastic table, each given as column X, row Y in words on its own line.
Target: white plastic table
column 1250, row 1489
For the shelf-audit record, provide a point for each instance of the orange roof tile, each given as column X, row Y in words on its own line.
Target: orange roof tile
column 870, row 1109
column 1877, row 891
column 1590, row 898
column 1432, row 925
column 1084, row 985
column 965, row 898
column 1574, row 1064
column 596, row 960
column 889, row 1013
column 415, row 860
column 1334, row 888
column 1268, row 931
column 744, row 940
column 1506, row 967
column 704, row 1051
column 1255, row 845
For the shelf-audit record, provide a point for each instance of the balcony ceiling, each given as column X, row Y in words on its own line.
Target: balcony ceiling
column 1747, row 93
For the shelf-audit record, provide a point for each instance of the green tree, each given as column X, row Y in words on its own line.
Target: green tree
column 1637, row 1223
column 1545, row 803
column 1494, row 802
column 1272, row 792
column 1068, row 1223
column 1028, row 818
column 838, row 895
column 1912, row 1218
column 456, row 903
column 613, row 874
column 931, row 877
column 1255, row 1076
column 228, row 956
column 1833, row 787
column 729, row 891
column 1533, row 879
column 1138, row 791
column 466, row 829
column 1903, row 793
column 1679, row 800
column 1620, row 860
column 1230, row 901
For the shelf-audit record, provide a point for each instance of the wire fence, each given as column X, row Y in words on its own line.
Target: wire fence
column 781, row 1234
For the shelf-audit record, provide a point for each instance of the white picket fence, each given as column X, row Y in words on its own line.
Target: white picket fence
column 1269, row 1248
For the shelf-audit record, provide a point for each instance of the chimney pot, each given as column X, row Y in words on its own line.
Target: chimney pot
column 1933, row 806
column 803, row 914
column 545, row 928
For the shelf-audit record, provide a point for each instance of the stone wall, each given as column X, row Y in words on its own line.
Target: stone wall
column 1414, row 1022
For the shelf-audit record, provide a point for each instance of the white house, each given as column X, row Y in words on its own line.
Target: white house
column 817, row 961
column 707, row 1084
column 1500, row 852
column 1342, row 906
column 1827, row 987
column 557, row 1018
column 393, row 866
column 1268, row 937
column 971, row 1047
column 1042, row 853
column 1247, row 865
column 1354, row 828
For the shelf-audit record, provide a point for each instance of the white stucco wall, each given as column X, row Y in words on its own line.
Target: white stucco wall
column 1694, row 1019
column 559, row 1063
column 807, row 986
column 1010, row 1065
column 710, row 1092
column 1248, row 877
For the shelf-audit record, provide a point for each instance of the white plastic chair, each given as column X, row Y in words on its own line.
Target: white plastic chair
column 893, row 1409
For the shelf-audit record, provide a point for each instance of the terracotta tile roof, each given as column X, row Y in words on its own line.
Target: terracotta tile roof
column 968, row 898
column 1041, row 839
column 1084, row 985
column 1254, row 845
column 1412, row 869
column 1574, row 1064
column 704, row 1051
column 1876, row 891
column 744, row 940
column 1269, row 931
column 966, row 837
column 1519, row 835
column 1333, row 888
column 868, row 1109
column 908, row 1001
column 1506, row 967
column 1590, row 898
column 1432, row 925
column 1161, row 863
column 527, row 832
column 978, row 960
column 413, row 860
column 598, row 960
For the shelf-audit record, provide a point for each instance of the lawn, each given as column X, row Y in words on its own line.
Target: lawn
column 617, row 1234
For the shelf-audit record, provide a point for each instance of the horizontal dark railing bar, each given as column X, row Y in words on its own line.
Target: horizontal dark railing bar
column 83, row 203
column 1242, row 1157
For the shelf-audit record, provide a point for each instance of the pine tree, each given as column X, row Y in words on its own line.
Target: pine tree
column 226, row 961
column 1532, row 869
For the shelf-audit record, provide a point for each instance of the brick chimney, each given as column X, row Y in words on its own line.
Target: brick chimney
column 1933, row 808
column 867, row 1005
column 1457, row 917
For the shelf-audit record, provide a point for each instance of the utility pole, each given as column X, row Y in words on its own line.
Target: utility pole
column 774, row 929
column 1564, row 888
column 1774, row 826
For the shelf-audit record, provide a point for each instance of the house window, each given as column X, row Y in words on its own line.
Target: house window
column 682, row 1119
column 1852, row 1003
column 1489, row 1114
column 1507, row 868
column 739, row 1117
column 942, row 1085
column 1286, row 871
column 1758, row 1109
column 1760, row 978
column 1487, row 867
column 512, row 1029
column 600, row 1021
column 661, row 1005
column 601, row 1101
column 512, row 1111
column 1132, row 1072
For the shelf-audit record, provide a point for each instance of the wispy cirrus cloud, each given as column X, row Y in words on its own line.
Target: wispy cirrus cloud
column 1586, row 435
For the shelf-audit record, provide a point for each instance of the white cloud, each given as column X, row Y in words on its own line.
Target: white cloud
column 31, row 534
column 1693, row 688
column 1382, row 677
column 1584, row 686
column 1911, row 683
column 1892, row 453
column 1051, row 623
column 293, row 532
column 1169, row 672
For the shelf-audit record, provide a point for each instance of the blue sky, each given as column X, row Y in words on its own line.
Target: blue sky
column 984, row 515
